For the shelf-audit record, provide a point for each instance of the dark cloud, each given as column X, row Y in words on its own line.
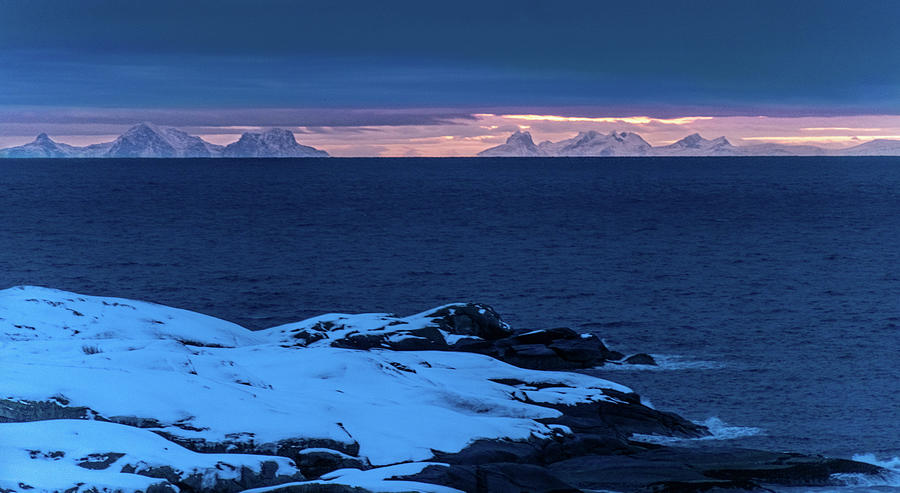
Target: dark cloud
column 712, row 55
column 315, row 120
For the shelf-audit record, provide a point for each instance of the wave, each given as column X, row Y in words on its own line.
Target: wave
column 666, row 362
column 718, row 430
column 893, row 463
column 862, row 482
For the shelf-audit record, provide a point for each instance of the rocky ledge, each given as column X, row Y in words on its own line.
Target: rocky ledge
column 107, row 394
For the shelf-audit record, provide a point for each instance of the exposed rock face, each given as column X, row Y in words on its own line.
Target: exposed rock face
column 519, row 144
column 276, row 142
column 473, row 328
column 640, row 359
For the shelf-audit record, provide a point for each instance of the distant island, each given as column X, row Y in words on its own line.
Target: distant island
column 591, row 144
column 147, row 140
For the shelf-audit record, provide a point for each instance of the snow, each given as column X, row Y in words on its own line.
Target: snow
column 147, row 140
column 519, row 144
column 275, row 142
column 36, row 313
column 877, row 147
column 592, row 143
column 46, row 455
column 114, row 357
column 376, row 480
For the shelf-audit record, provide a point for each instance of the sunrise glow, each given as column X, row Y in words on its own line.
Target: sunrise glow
column 633, row 120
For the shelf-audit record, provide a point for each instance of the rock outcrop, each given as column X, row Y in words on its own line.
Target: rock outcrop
column 120, row 395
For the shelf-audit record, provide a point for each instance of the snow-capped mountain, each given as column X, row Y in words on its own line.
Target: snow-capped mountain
column 519, row 144
column 147, row 140
column 598, row 144
column 42, row 147
column 276, row 142
column 593, row 143
column 772, row 149
column 878, row 147
column 695, row 145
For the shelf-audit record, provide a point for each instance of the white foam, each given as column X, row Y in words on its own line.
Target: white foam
column 865, row 482
column 893, row 463
column 718, row 430
column 666, row 362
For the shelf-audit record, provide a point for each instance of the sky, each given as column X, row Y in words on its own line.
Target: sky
column 451, row 78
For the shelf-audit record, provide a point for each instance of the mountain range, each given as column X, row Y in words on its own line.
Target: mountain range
column 147, row 140
column 521, row 144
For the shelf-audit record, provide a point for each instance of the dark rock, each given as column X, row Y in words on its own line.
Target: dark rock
column 545, row 336
column 537, row 357
column 15, row 411
column 682, row 469
column 424, row 339
column 640, row 359
column 474, row 345
column 136, row 421
column 319, row 488
column 316, row 462
column 625, row 419
column 290, row 448
column 99, row 461
column 487, row 451
column 589, row 352
column 472, row 319
column 614, row 356
column 493, row 478
column 267, row 476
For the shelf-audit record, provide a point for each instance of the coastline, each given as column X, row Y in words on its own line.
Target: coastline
column 377, row 393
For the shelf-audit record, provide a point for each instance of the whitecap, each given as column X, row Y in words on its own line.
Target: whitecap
column 718, row 430
column 665, row 362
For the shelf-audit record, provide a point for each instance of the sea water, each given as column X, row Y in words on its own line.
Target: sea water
column 767, row 288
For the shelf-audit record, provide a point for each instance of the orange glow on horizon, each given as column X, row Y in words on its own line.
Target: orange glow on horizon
column 634, row 120
column 847, row 129
column 799, row 139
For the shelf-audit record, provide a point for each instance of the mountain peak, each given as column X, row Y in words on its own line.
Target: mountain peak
column 273, row 142
column 694, row 138
column 520, row 136
column 43, row 138
column 144, row 127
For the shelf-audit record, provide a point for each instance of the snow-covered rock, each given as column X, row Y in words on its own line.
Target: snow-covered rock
column 597, row 144
column 32, row 313
column 377, row 480
column 519, row 144
column 214, row 387
column 147, row 140
column 151, row 141
column 877, row 147
column 275, row 142
column 60, row 454
column 112, row 395
column 695, row 145
column 42, row 147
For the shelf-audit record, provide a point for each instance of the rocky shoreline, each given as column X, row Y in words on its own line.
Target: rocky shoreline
column 106, row 394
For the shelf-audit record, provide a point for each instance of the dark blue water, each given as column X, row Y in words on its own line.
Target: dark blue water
column 778, row 277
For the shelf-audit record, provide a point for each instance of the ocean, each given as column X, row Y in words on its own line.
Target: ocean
column 768, row 288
